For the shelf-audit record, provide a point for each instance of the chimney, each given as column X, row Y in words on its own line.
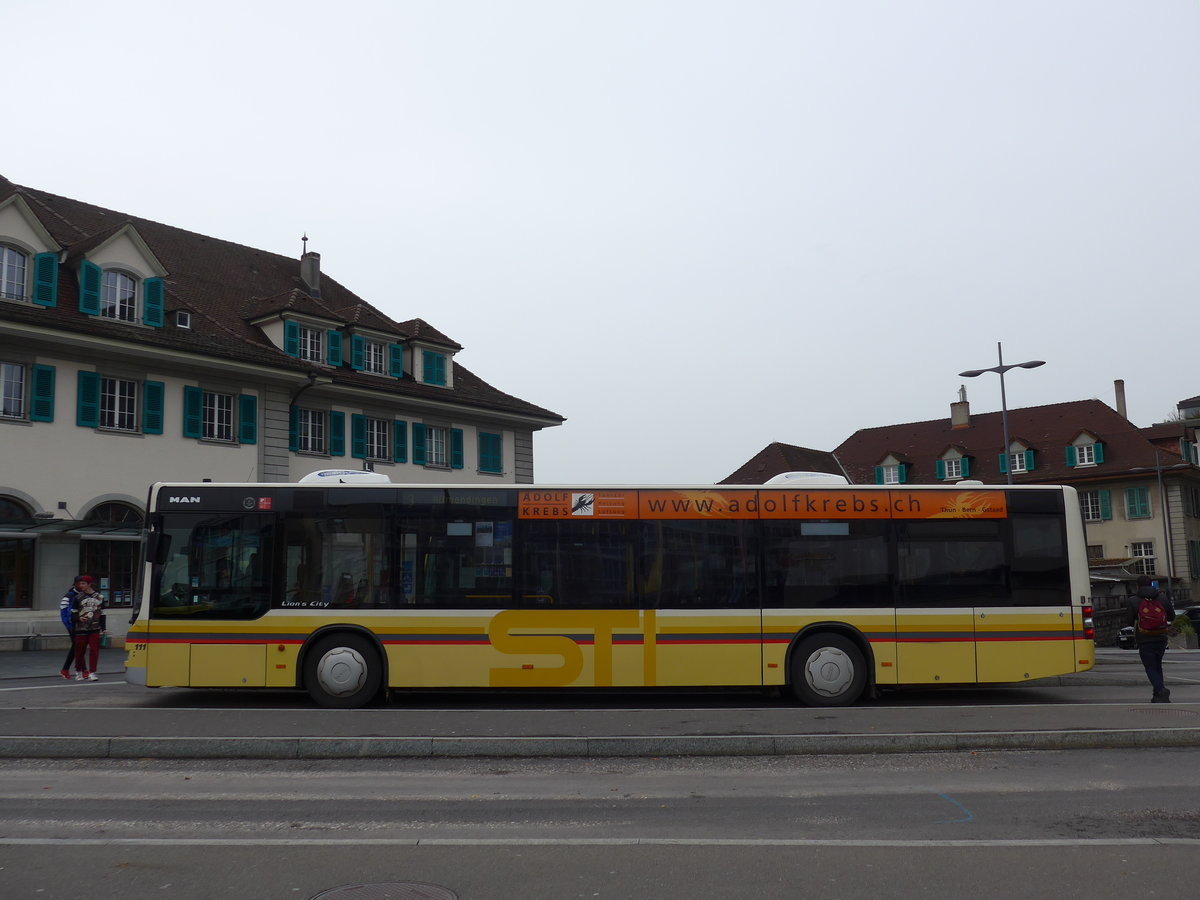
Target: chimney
column 310, row 273
column 960, row 412
column 1119, row 385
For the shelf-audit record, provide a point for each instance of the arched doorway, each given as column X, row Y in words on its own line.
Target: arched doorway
column 109, row 550
column 16, row 555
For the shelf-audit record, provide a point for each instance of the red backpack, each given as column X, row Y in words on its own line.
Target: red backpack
column 1152, row 617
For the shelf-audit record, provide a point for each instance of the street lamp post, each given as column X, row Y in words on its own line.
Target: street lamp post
column 1000, row 370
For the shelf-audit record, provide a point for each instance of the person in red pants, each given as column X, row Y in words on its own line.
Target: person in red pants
column 87, row 614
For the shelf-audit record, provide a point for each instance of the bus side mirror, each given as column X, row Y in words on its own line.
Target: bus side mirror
column 158, row 547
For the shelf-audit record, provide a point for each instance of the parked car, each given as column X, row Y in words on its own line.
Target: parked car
column 1125, row 638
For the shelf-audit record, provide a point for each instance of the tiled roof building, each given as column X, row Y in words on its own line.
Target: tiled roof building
column 133, row 351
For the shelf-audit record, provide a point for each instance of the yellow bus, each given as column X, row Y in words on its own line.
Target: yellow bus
column 830, row 591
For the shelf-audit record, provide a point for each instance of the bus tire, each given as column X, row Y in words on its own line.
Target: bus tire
column 828, row 670
column 342, row 671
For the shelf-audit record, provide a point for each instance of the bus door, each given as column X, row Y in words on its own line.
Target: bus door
column 945, row 569
column 1032, row 635
column 212, row 575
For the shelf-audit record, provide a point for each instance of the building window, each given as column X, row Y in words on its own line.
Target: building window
column 217, row 421
column 378, row 446
column 13, row 264
column 1085, row 455
column 1016, row 463
column 1137, row 503
column 891, row 474
column 118, row 404
column 435, row 446
column 374, row 358
column 311, row 344
column 1095, row 506
column 1143, row 557
column 1095, row 551
column 310, row 430
column 183, row 319
column 953, row 468
column 118, row 296
column 12, row 391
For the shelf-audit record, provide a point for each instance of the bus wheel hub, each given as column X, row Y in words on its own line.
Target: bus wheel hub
column 342, row 671
column 829, row 671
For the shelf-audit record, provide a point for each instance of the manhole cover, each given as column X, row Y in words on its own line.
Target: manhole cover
column 388, row 890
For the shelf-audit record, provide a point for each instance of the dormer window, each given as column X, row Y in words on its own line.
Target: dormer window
column 1018, row 461
column 13, row 266
column 891, row 472
column 1085, row 451
column 183, row 319
column 118, row 296
column 311, row 344
column 374, row 357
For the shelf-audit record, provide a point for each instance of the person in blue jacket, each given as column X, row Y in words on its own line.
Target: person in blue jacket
column 64, row 613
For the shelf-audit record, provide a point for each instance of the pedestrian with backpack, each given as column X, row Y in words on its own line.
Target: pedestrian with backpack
column 68, row 620
column 1151, row 614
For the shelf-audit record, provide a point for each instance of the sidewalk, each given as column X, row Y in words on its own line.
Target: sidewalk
column 90, row 721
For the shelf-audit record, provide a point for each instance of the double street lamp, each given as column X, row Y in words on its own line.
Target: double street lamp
column 1000, row 370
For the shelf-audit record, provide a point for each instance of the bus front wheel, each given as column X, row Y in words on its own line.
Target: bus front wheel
column 342, row 671
column 828, row 670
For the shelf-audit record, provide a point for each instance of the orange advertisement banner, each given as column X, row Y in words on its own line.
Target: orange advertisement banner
column 845, row 503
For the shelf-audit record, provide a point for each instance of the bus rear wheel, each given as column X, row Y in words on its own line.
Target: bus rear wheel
column 828, row 670
column 342, row 671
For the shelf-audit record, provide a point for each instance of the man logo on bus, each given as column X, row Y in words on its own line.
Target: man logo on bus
column 582, row 504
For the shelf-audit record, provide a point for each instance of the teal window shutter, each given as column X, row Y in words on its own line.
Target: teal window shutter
column 939, row 468
column 456, row 448
column 491, row 453
column 45, row 279
column 1098, row 452
column 1070, row 456
column 1029, row 461
column 396, row 360
column 193, row 412
column 337, row 434
column 902, row 473
column 291, row 338
column 358, row 436
column 1137, row 503
column 333, row 348
column 1003, row 459
column 1105, row 504
column 293, row 429
column 435, row 368
column 399, row 441
column 153, row 393
column 418, row 444
column 358, row 352
column 247, row 419
column 42, row 407
column 87, row 409
column 152, row 302
column 879, row 474
column 966, row 467
column 89, row 288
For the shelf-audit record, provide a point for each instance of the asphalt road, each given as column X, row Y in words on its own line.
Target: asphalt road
column 1100, row 823
column 43, row 716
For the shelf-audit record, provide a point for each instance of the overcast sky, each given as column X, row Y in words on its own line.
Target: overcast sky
column 690, row 227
